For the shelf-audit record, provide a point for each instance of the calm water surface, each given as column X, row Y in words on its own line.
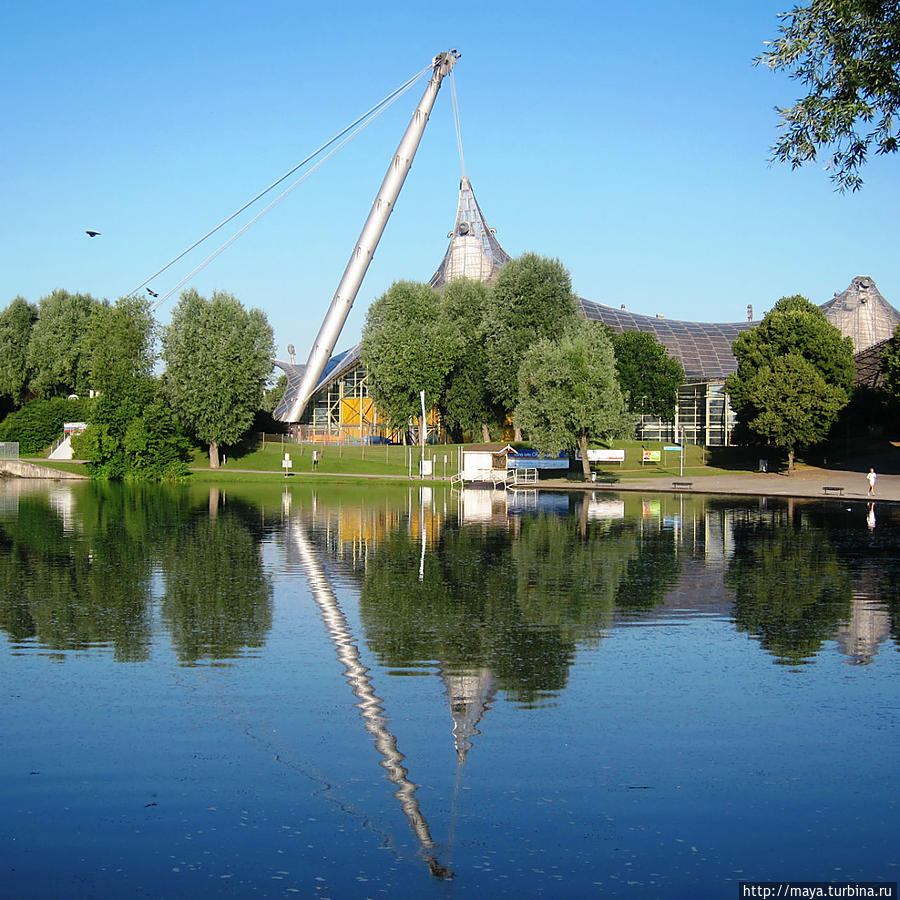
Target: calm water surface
column 416, row 693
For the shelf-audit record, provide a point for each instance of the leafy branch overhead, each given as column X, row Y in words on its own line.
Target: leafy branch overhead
column 847, row 54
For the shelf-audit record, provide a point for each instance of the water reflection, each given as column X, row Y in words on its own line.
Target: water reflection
column 78, row 569
column 370, row 705
column 500, row 589
column 652, row 770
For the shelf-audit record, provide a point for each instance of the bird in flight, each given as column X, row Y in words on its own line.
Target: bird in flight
column 92, row 233
column 152, row 293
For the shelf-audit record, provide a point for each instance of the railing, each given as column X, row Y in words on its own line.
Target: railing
column 9, row 449
column 56, row 444
column 524, row 476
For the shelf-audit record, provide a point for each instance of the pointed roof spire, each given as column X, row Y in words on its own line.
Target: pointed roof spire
column 862, row 313
column 474, row 252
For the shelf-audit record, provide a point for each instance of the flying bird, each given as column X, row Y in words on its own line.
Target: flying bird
column 152, row 293
column 92, row 233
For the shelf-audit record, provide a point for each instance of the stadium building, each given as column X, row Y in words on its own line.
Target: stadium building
column 342, row 409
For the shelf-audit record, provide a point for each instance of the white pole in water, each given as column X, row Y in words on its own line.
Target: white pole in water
column 330, row 330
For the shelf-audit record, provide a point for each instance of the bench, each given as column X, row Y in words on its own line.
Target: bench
column 682, row 485
column 833, row 489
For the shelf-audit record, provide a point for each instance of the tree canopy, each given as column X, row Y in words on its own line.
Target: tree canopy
column 795, row 372
column 57, row 357
column 16, row 323
column 119, row 343
column 847, row 55
column 649, row 377
column 466, row 403
column 133, row 433
column 531, row 299
column 569, row 394
column 408, row 345
column 218, row 356
column 890, row 368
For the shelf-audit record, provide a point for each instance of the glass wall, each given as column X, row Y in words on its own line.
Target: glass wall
column 703, row 416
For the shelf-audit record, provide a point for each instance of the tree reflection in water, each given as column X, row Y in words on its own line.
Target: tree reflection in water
column 79, row 573
column 517, row 605
column 790, row 589
column 75, row 577
column 218, row 600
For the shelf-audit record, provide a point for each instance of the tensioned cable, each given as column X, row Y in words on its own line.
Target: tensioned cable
column 274, row 203
column 462, row 161
column 376, row 110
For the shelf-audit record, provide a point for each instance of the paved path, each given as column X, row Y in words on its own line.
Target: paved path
column 806, row 482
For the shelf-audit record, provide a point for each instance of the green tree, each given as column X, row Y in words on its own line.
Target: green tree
column 118, row 343
column 218, row 356
column 466, row 403
column 794, row 405
column 569, row 393
column 648, row 376
column 16, row 323
column 408, row 345
column 794, row 375
column 57, row 356
column 847, row 55
column 531, row 299
column 133, row 433
column 890, row 368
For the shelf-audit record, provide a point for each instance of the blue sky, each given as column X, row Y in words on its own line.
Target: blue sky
column 630, row 140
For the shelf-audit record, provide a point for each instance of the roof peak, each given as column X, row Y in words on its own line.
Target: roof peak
column 474, row 251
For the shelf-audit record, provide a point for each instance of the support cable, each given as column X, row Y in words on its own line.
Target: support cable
column 222, row 247
column 462, row 161
column 369, row 115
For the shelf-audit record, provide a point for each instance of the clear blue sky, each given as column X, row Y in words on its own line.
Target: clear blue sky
column 630, row 140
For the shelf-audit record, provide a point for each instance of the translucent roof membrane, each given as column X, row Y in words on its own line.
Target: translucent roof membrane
column 702, row 348
column 862, row 314
column 474, row 251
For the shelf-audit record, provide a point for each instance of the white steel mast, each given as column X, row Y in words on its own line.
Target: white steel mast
column 330, row 330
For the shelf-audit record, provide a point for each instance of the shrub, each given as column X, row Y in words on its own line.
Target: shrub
column 39, row 423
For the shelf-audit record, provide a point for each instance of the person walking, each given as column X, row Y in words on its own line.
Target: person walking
column 871, row 479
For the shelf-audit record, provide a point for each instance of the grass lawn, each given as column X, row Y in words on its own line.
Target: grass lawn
column 391, row 462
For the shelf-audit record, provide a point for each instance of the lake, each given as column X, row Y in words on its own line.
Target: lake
column 393, row 691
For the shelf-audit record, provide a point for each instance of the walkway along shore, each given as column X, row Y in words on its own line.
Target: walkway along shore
column 805, row 482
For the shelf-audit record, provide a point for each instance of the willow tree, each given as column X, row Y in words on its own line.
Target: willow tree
column 408, row 345
column 218, row 356
column 569, row 394
column 16, row 322
column 58, row 359
column 531, row 299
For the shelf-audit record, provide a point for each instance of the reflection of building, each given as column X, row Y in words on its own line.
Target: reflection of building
column 868, row 628
column 470, row 694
